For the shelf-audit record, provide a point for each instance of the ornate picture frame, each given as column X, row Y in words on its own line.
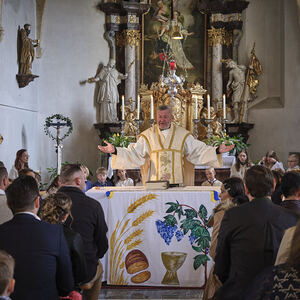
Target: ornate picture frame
column 190, row 53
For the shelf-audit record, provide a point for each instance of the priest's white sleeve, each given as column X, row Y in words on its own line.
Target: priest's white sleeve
column 132, row 157
column 198, row 153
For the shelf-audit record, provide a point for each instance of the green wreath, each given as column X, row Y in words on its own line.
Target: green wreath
column 58, row 117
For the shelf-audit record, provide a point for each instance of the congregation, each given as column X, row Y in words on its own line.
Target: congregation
column 60, row 234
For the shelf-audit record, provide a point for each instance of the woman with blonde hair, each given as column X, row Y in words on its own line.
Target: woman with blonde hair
column 55, row 210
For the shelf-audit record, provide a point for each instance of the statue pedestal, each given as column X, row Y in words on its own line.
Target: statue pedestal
column 235, row 129
column 24, row 80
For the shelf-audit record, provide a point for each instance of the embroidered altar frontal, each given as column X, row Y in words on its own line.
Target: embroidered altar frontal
column 159, row 238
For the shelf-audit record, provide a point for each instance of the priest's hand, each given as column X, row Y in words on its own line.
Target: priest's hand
column 223, row 148
column 107, row 149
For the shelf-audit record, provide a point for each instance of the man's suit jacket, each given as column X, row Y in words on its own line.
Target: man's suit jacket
column 89, row 222
column 43, row 267
column 248, row 241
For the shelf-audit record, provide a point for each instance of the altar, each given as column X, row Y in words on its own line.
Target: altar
column 157, row 237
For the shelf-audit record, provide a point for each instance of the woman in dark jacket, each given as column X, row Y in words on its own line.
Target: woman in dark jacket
column 55, row 210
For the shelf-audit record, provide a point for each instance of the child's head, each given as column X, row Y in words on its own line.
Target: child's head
column 101, row 174
column 210, row 173
column 7, row 282
column 122, row 175
column 85, row 171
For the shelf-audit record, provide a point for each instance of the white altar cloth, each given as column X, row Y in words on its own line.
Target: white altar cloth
column 147, row 227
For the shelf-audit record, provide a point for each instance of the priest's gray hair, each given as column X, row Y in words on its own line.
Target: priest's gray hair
column 165, row 107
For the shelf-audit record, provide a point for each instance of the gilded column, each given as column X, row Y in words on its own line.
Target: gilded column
column 216, row 40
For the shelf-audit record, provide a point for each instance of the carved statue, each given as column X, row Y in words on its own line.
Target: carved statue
column 108, row 96
column 235, row 85
column 26, row 55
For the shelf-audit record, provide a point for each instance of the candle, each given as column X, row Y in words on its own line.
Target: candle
column 224, row 106
column 208, row 106
column 196, row 107
column 152, row 108
column 138, row 108
column 123, row 108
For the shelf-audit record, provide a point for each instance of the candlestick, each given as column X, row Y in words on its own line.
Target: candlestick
column 209, row 131
column 196, row 107
column 224, row 106
column 208, row 106
column 196, row 121
column 151, row 109
column 123, row 108
column 138, row 108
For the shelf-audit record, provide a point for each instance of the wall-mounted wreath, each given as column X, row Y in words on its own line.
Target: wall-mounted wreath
column 58, row 118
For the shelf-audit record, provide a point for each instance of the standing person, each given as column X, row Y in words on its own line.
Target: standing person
column 21, row 162
column 271, row 161
column 123, row 179
column 250, row 235
column 43, row 266
column 5, row 212
column 89, row 222
column 108, row 96
column 7, row 282
column 55, row 210
column 293, row 162
column 232, row 194
column 241, row 165
column 166, row 152
column 210, row 174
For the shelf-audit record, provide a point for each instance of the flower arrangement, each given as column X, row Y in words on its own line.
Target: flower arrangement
column 216, row 141
column 119, row 140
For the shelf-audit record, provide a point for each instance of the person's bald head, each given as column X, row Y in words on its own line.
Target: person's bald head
column 164, row 117
column 72, row 175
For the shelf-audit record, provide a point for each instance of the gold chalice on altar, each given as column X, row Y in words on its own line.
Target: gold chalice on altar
column 172, row 262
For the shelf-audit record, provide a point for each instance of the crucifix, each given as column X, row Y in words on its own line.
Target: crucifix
column 58, row 145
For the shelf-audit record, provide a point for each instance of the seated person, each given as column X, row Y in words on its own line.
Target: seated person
column 55, row 210
column 122, row 178
column 271, row 161
column 54, row 186
column 241, row 165
column 280, row 281
column 293, row 161
column 21, row 162
column 276, row 196
column 86, row 173
column 7, row 282
column 102, row 178
column 210, row 174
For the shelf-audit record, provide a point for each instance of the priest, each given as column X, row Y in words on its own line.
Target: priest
column 166, row 152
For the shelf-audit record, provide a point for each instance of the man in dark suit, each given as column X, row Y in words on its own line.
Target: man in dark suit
column 250, row 235
column 43, row 266
column 89, row 221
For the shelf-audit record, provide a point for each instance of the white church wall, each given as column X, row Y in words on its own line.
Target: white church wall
column 273, row 25
column 73, row 46
column 18, row 107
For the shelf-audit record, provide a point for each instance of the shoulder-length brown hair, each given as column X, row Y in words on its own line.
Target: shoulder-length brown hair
column 18, row 164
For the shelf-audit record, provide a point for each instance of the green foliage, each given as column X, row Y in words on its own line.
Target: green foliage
column 192, row 223
column 216, row 141
column 119, row 140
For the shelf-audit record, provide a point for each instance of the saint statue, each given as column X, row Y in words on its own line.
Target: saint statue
column 108, row 96
column 26, row 55
column 236, row 85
